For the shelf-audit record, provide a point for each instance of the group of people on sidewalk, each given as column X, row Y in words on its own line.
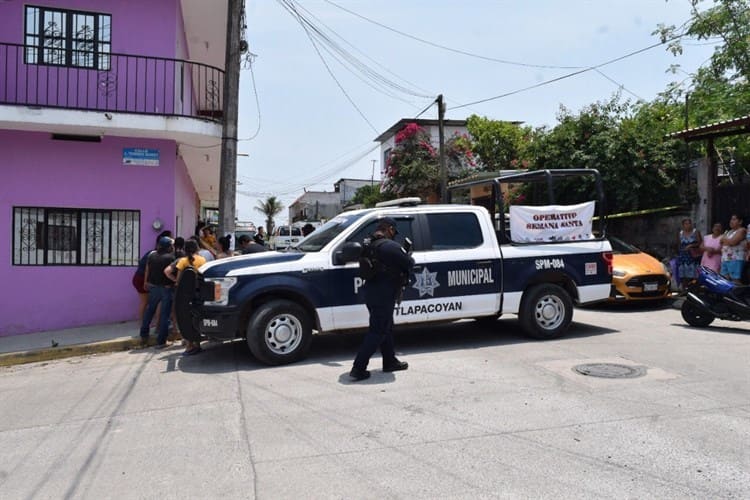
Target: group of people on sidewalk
column 726, row 252
column 159, row 269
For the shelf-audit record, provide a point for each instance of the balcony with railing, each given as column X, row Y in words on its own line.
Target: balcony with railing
column 112, row 82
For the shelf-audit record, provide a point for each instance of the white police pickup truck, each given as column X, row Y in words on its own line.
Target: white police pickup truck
column 467, row 265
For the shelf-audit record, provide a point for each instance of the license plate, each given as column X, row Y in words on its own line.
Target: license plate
column 650, row 287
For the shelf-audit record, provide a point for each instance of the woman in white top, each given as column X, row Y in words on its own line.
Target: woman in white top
column 733, row 249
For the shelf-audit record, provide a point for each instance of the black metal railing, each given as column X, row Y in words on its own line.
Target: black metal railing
column 124, row 83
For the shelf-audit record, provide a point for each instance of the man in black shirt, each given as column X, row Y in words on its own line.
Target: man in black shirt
column 393, row 266
column 160, row 292
column 248, row 245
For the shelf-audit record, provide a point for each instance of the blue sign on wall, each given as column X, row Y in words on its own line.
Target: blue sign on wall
column 140, row 156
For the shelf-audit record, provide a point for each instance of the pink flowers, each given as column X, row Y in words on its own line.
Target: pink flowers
column 409, row 131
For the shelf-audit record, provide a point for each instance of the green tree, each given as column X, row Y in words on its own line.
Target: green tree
column 728, row 22
column 369, row 195
column 271, row 207
column 498, row 145
column 719, row 90
column 625, row 142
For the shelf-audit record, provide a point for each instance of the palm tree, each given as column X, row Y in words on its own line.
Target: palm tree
column 270, row 208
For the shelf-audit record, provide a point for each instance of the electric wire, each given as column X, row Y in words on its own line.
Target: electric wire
column 336, row 169
column 257, row 103
column 425, row 93
column 425, row 109
column 566, row 76
column 291, row 9
column 619, row 85
column 344, row 56
column 450, row 49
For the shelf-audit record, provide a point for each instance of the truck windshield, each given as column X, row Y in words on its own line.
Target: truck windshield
column 327, row 232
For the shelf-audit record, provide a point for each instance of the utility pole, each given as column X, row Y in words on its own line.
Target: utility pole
column 372, row 175
column 441, row 138
column 228, row 168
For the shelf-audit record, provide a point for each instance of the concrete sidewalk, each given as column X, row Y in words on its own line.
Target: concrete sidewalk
column 44, row 346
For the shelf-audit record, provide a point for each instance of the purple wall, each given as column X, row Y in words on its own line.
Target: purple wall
column 41, row 172
column 144, row 27
column 156, row 84
column 187, row 204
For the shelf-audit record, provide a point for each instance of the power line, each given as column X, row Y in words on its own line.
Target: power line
column 330, row 172
column 569, row 75
column 450, row 49
column 425, row 109
column 620, row 85
column 425, row 93
column 292, row 11
column 257, row 101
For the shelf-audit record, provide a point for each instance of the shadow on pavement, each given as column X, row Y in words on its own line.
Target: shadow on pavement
column 635, row 306
column 713, row 328
column 338, row 349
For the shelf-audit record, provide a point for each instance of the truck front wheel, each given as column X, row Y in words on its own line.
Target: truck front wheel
column 546, row 311
column 279, row 332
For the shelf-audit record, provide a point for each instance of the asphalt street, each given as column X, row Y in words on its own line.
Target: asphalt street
column 482, row 412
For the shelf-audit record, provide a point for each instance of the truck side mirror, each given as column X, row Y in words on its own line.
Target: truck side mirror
column 350, row 252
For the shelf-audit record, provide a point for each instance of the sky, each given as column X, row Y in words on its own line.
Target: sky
column 304, row 124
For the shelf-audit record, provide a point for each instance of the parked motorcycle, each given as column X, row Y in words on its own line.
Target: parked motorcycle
column 712, row 296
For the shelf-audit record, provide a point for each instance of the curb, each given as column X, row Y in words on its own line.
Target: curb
column 52, row 353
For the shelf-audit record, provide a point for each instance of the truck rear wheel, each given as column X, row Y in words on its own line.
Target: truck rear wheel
column 279, row 332
column 546, row 311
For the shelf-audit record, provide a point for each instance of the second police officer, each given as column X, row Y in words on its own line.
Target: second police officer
column 382, row 292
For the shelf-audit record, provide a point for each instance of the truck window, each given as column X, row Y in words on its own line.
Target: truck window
column 404, row 227
column 451, row 231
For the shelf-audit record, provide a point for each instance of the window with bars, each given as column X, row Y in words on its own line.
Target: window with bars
column 75, row 237
column 61, row 37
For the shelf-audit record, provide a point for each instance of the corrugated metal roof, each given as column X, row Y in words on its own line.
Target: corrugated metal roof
column 734, row 126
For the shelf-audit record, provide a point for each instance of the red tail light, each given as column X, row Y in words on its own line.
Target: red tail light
column 607, row 257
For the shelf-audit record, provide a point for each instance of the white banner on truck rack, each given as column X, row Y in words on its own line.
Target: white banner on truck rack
column 552, row 222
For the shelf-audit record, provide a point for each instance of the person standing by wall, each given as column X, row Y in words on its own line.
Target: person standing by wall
column 712, row 248
column 733, row 249
column 689, row 241
column 393, row 266
column 139, row 276
column 159, row 292
column 172, row 272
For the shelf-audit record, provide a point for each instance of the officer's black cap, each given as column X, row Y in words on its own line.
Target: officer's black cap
column 391, row 222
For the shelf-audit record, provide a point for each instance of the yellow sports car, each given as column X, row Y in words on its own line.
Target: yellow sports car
column 636, row 275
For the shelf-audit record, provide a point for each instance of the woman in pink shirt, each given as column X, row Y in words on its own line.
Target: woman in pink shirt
column 711, row 247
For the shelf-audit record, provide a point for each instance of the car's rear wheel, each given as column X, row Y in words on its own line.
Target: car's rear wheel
column 279, row 332
column 546, row 311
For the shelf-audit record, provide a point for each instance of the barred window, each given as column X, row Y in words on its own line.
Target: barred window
column 68, row 38
column 75, row 237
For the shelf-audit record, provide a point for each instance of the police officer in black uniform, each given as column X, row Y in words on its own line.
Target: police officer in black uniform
column 394, row 266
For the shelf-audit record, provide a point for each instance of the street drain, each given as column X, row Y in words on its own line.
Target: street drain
column 610, row 370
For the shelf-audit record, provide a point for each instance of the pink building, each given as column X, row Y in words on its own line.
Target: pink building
column 110, row 125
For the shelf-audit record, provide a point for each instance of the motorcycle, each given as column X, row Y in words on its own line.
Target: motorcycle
column 710, row 296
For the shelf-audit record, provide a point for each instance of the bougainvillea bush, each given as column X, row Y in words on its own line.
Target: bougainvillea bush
column 413, row 166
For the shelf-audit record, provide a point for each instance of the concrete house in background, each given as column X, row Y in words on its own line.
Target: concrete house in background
column 324, row 205
column 110, row 128
column 314, row 206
